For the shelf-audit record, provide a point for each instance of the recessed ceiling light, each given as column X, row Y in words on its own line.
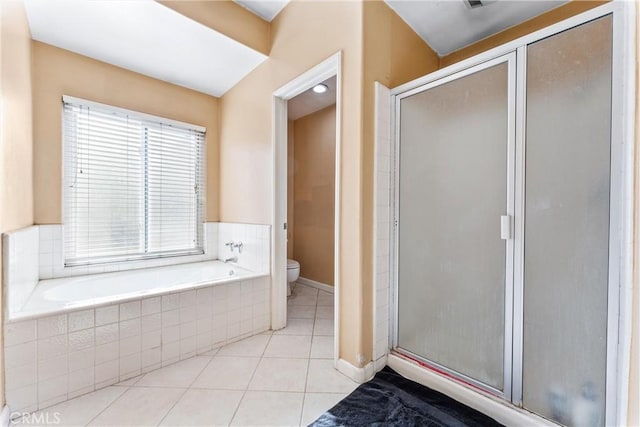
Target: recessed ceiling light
column 320, row 88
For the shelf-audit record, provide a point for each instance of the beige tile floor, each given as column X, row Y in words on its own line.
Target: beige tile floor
column 284, row 378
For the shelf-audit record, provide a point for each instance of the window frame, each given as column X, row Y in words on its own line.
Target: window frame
column 147, row 120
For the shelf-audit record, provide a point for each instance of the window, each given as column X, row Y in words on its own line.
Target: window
column 133, row 185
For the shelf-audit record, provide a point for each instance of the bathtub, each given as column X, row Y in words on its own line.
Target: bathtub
column 78, row 334
column 68, row 332
column 72, row 293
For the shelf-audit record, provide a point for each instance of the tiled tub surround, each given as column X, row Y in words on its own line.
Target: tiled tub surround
column 20, row 251
column 51, row 259
column 282, row 378
column 35, row 254
column 69, row 335
column 255, row 239
column 55, row 296
column 55, row 358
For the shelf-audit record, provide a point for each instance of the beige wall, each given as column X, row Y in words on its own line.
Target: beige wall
column 393, row 54
column 313, row 194
column 246, row 133
column 58, row 72
column 16, row 150
column 290, row 204
column 228, row 18
column 246, row 137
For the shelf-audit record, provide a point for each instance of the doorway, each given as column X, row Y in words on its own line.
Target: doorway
column 311, row 140
column 296, row 107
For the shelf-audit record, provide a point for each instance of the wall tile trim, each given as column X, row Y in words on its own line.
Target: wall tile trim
column 382, row 224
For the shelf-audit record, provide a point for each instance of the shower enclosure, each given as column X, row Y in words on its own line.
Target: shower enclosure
column 508, row 223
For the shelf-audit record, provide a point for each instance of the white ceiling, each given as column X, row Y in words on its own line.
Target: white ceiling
column 266, row 9
column 146, row 37
column 446, row 25
column 309, row 102
column 449, row 25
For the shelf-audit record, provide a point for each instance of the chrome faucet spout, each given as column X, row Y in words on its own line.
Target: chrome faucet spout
column 232, row 259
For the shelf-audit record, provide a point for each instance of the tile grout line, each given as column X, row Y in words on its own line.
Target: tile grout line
column 139, row 377
column 109, row 405
column 244, row 392
column 195, row 378
column 127, row 388
column 306, row 381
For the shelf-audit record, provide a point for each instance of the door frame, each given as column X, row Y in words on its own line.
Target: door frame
column 330, row 67
column 622, row 202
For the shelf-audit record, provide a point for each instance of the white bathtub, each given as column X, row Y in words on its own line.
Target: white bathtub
column 72, row 293
column 79, row 334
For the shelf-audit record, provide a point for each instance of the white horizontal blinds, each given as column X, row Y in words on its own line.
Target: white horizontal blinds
column 133, row 186
column 104, row 185
column 174, row 210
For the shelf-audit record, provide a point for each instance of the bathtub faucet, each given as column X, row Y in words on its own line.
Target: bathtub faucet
column 232, row 245
column 232, row 259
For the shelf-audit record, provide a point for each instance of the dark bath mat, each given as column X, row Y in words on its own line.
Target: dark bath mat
column 389, row 399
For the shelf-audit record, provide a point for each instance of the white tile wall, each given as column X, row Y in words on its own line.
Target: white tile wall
column 382, row 221
column 255, row 255
column 21, row 255
column 55, row 358
column 36, row 253
column 50, row 250
column 51, row 258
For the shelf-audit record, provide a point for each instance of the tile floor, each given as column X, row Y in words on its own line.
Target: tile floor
column 282, row 378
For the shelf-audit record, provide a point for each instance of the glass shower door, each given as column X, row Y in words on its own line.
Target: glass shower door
column 453, row 257
column 532, row 318
column 566, row 263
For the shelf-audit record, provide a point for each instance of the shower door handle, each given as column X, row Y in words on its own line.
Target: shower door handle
column 505, row 227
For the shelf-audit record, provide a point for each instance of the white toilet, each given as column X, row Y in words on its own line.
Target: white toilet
column 293, row 272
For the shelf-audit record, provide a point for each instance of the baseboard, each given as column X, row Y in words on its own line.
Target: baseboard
column 380, row 363
column 5, row 416
column 497, row 409
column 314, row 284
column 359, row 375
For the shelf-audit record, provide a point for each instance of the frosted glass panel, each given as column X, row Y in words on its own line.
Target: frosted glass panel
column 452, row 191
column 567, row 224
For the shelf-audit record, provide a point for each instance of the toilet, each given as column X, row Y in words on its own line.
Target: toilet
column 293, row 272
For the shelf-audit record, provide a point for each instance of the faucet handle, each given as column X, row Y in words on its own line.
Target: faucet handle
column 231, row 245
column 237, row 245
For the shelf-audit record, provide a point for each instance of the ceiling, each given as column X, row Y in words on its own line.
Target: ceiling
column 445, row 25
column 146, row 37
column 449, row 25
column 309, row 102
column 266, row 9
